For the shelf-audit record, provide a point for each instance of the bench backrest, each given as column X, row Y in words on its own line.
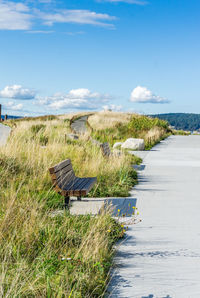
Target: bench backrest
column 62, row 174
column 105, row 148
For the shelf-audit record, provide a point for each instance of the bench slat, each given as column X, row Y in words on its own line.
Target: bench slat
column 70, row 185
column 60, row 166
column 66, row 179
column 82, row 183
column 88, row 186
column 80, row 187
column 64, row 172
column 77, row 187
column 83, row 187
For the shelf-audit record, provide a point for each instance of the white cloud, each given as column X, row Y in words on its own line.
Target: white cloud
column 40, row 31
column 75, row 33
column 76, row 98
column 143, row 95
column 112, row 107
column 17, row 107
column 17, row 92
column 45, row 1
column 84, row 17
column 14, row 107
column 14, row 16
column 18, row 16
column 138, row 2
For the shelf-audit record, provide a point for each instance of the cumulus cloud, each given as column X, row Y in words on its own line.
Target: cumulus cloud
column 85, row 17
column 112, row 107
column 17, row 92
column 138, row 2
column 76, row 98
column 14, row 16
column 143, row 95
column 14, row 107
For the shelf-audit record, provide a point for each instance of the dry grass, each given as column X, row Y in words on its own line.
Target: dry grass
column 121, row 126
column 64, row 256
column 156, row 133
column 103, row 120
column 33, row 246
column 27, row 148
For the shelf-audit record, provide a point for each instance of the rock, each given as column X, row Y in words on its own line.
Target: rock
column 118, row 144
column 72, row 136
column 134, row 144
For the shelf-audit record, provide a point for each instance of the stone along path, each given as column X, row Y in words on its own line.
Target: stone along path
column 161, row 255
column 4, row 133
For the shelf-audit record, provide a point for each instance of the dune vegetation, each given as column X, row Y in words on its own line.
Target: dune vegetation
column 117, row 127
column 60, row 256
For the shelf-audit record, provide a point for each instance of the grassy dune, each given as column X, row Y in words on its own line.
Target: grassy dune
column 63, row 256
column 117, row 127
column 104, row 120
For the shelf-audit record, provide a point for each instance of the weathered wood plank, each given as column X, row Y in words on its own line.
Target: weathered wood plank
column 59, row 166
column 70, row 185
column 64, row 171
column 88, row 186
column 66, row 179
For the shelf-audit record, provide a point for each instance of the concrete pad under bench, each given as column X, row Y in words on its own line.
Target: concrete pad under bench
column 117, row 206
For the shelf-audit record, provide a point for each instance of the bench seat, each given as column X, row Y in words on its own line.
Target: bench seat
column 67, row 184
column 79, row 186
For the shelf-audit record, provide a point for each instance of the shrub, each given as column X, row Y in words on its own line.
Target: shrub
column 43, row 140
column 144, row 123
column 36, row 128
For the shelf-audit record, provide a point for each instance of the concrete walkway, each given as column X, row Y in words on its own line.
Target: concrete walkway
column 161, row 255
column 79, row 125
column 4, row 134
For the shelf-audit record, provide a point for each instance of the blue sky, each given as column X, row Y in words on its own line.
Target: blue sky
column 63, row 56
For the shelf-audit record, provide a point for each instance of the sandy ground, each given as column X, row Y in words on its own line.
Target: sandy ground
column 161, row 255
column 4, row 133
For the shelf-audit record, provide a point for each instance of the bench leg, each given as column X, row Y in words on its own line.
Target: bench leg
column 67, row 200
column 78, row 198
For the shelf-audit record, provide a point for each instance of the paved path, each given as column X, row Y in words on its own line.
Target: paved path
column 161, row 255
column 4, row 133
column 79, row 125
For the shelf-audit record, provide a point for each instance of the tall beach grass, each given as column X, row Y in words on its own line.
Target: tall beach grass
column 63, row 256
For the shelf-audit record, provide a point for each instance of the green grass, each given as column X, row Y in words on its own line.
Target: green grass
column 56, row 258
column 61, row 256
column 138, row 127
column 181, row 132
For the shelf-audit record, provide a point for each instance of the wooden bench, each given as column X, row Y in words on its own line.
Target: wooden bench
column 67, row 184
column 105, row 148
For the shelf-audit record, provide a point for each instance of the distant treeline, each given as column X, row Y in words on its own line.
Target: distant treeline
column 10, row 117
column 185, row 121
